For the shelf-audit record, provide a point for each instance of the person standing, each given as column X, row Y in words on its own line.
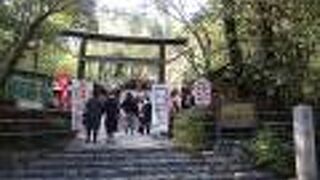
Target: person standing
column 174, row 107
column 92, row 115
column 112, row 110
column 187, row 98
column 140, row 101
column 130, row 107
column 147, row 116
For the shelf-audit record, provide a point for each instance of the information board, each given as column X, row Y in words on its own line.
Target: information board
column 160, row 108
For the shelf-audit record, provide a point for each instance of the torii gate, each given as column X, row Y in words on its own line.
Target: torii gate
column 160, row 61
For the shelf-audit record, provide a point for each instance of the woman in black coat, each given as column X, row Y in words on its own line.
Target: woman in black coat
column 112, row 110
column 92, row 116
column 130, row 107
column 147, row 116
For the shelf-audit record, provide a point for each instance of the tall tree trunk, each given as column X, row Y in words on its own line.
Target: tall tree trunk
column 230, row 30
column 265, row 51
column 264, row 40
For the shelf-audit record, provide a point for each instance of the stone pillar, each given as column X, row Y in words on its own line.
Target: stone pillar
column 304, row 138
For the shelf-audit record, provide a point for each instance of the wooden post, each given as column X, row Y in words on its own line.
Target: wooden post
column 304, row 138
column 162, row 64
column 82, row 64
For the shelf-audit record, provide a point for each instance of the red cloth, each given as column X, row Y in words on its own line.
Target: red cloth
column 61, row 86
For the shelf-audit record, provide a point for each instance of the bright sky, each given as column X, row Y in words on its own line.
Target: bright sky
column 146, row 6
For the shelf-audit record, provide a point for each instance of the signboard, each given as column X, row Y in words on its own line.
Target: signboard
column 237, row 115
column 202, row 92
column 26, row 89
column 81, row 92
column 160, row 108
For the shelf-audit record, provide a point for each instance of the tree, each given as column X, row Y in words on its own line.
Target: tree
column 26, row 21
column 267, row 46
column 198, row 26
column 278, row 40
column 283, row 34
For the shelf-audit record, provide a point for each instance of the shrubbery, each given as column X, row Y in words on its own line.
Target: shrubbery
column 2, row 93
column 273, row 153
column 193, row 128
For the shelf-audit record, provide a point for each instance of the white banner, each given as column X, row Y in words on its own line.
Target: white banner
column 202, row 92
column 160, row 108
column 81, row 92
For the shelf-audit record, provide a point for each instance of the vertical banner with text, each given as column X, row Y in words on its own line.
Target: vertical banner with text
column 160, row 108
column 81, row 92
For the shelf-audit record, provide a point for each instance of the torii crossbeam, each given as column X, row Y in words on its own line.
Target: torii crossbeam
column 133, row 40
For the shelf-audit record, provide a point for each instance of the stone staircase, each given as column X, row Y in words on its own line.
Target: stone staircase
column 223, row 162
column 135, row 158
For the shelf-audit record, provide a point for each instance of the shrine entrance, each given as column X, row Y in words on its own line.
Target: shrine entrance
column 155, row 62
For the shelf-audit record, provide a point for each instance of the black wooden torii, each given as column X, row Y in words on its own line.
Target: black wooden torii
column 135, row 40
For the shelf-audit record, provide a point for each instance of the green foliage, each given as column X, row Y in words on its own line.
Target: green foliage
column 60, row 124
column 273, row 153
column 28, row 26
column 277, row 39
column 192, row 128
column 2, row 93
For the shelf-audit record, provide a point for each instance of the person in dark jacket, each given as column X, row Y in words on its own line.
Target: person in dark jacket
column 174, row 106
column 112, row 110
column 92, row 115
column 187, row 98
column 140, row 102
column 130, row 107
column 147, row 116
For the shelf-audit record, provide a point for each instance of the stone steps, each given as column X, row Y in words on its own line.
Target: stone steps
column 140, row 177
column 140, row 164
column 105, row 174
